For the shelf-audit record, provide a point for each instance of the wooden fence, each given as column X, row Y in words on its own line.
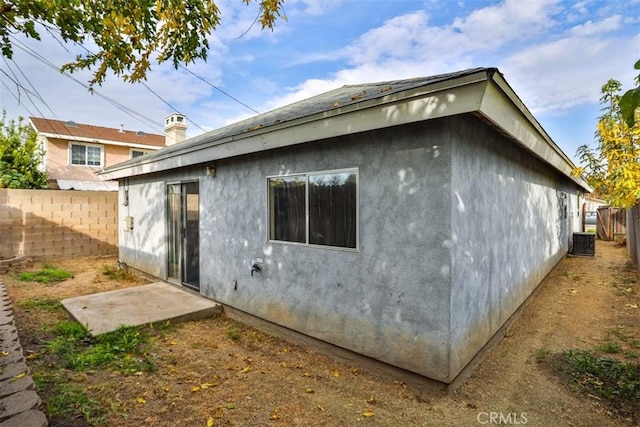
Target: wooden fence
column 611, row 222
column 633, row 234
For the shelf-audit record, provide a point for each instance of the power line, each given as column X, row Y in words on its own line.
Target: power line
column 171, row 106
column 146, row 86
column 17, row 98
column 112, row 101
column 218, row 89
column 40, row 97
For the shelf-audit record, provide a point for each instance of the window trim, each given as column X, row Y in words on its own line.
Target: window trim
column 131, row 150
column 85, row 145
column 306, row 175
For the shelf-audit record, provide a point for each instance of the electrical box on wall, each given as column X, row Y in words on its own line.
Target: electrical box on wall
column 128, row 223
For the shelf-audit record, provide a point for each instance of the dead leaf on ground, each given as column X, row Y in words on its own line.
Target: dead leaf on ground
column 275, row 414
column 20, row 376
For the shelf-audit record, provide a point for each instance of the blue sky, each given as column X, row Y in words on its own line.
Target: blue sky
column 555, row 54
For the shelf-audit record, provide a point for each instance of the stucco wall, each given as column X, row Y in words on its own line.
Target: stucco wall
column 385, row 300
column 58, row 153
column 144, row 246
column 507, row 233
column 399, row 298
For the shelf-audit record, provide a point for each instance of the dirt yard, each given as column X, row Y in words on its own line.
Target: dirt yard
column 220, row 372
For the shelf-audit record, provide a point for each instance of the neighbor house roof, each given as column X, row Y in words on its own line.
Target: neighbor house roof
column 358, row 108
column 96, row 134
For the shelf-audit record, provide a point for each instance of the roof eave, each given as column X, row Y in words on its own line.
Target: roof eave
column 485, row 93
column 513, row 118
column 100, row 141
column 441, row 99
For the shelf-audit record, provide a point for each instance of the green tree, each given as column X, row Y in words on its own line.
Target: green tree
column 612, row 168
column 630, row 101
column 129, row 34
column 20, row 157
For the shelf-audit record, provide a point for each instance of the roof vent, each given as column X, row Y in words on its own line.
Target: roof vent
column 71, row 123
column 141, row 133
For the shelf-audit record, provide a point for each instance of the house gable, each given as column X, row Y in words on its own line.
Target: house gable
column 358, row 108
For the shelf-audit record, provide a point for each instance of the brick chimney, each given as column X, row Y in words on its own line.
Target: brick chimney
column 175, row 129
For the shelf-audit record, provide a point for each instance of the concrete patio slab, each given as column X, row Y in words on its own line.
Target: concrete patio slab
column 140, row 305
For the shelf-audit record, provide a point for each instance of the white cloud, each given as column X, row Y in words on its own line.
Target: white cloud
column 506, row 21
column 310, row 7
column 558, row 75
column 553, row 65
column 590, row 28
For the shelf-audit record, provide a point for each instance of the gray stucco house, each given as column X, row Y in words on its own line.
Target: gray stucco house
column 403, row 220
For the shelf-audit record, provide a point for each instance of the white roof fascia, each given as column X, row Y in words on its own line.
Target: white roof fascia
column 458, row 96
column 99, row 141
column 503, row 107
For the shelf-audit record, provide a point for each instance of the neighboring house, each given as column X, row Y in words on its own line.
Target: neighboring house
column 404, row 220
column 591, row 204
column 74, row 152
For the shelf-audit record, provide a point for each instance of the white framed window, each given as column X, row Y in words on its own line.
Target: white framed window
column 133, row 153
column 315, row 208
column 85, row 155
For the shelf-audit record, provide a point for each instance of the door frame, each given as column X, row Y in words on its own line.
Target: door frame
column 184, row 241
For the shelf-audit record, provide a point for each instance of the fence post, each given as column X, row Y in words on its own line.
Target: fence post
column 633, row 235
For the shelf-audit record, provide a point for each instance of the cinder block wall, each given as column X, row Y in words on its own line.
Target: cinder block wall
column 58, row 224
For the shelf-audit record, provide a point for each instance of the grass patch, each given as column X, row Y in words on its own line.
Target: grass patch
column 47, row 274
column 233, row 333
column 609, row 347
column 119, row 274
column 46, row 304
column 125, row 350
column 542, row 354
column 72, row 401
column 614, row 381
column 71, row 355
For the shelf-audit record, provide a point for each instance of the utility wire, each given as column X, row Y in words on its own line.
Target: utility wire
column 171, row 106
column 218, row 89
column 16, row 83
column 17, row 98
column 149, row 89
column 40, row 97
column 112, row 101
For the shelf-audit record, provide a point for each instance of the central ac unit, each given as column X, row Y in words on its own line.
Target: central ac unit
column 584, row 244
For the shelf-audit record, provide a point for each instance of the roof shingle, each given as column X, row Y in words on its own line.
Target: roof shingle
column 70, row 129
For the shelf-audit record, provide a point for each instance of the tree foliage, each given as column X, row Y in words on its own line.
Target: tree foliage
column 20, row 157
column 630, row 101
column 129, row 35
column 612, row 168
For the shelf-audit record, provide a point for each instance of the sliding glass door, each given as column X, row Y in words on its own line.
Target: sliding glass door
column 183, row 209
